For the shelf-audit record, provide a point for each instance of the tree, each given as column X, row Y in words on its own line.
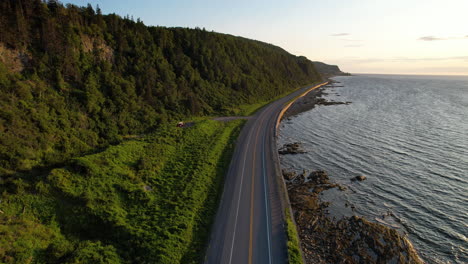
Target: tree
column 94, row 98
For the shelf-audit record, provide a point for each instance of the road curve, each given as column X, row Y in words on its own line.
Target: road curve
column 249, row 224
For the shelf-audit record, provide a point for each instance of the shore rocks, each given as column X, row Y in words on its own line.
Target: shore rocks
column 288, row 175
column 359, row 178
column 348, row 240
column 292, row 148
column 313, row 98
column 323, row 101
column 319, row 177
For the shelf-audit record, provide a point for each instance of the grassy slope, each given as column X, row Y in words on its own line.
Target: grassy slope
column 146, row 200
column 293, row 244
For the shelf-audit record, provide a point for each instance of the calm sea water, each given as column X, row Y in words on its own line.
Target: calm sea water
column 409, row 136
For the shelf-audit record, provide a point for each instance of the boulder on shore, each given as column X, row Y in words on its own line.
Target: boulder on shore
column 319, row 177
column 288, row 175
column 323, row 101
column 359, row 178
column 291, row 148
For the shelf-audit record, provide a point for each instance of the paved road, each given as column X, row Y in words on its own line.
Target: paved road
column 249, row 225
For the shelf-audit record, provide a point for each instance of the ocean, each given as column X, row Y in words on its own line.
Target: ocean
column 409, row 136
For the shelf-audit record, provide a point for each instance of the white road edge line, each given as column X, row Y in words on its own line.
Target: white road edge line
column 266, row 201
column 238, row 200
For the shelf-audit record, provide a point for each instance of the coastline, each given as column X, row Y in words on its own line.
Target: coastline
column 325, row 240
column 308, row 101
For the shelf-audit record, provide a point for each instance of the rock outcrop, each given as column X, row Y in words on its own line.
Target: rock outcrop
column 292, row 148
column 359, row 178
column 348, row 240
column 323, row 101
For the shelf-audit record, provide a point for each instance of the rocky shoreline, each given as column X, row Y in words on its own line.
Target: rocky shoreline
column 347, row 240
column 350, row 239
column 310, row 100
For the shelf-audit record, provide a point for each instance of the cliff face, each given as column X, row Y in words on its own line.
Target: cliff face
column 327, row 70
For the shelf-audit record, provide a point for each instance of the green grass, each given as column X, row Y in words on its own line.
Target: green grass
column 146, row 200
column 294, row 248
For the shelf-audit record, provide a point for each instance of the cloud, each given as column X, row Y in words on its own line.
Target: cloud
column 431, row 38
column 353, row 46
column 340, row 34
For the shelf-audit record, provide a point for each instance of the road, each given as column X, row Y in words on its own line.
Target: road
column 249, row 225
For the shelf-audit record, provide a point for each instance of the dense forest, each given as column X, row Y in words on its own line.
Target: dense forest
column 73, row 80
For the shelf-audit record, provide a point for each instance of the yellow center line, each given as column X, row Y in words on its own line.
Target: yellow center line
column 252, row 192
column 294, row 100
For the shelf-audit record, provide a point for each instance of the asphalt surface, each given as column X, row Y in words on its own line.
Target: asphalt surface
column 249, row 225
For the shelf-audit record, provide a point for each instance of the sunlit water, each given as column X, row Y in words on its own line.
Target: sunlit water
column 409, row 136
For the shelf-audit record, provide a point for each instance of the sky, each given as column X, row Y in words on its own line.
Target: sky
column 360, row 36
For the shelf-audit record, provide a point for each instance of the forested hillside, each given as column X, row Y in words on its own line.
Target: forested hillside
column 73, row 80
